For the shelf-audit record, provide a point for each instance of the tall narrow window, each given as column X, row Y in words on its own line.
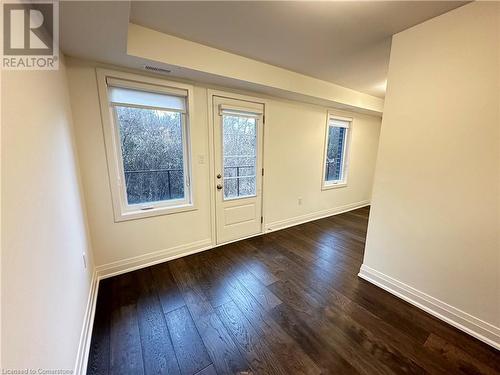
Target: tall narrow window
column 150, row 138
column 239, row 145
column 335, row 167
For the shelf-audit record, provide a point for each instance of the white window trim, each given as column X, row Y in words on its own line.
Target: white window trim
column 327, row 185
column 122, row 210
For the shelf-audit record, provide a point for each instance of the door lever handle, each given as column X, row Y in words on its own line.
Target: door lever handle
column 219, row 186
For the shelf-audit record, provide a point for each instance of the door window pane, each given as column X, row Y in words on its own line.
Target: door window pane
column 152, row 154
column 239, row 145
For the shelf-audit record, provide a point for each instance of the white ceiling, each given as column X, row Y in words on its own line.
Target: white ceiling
column 347, row 43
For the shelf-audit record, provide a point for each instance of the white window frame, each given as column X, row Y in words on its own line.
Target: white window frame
column 325, row 185
column 122, row 210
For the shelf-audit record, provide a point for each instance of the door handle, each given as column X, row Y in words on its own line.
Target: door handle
column 219, row 176
column 219, row 186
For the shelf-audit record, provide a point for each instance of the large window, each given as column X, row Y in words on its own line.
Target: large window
column 147, row 144
column 337, row 139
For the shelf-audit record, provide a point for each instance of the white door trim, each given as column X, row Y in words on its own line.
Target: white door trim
column 211, row 93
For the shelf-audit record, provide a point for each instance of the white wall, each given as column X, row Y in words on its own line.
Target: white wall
column 117, row 241
column 435, row 218
column 293, row 157
column 45, row 287
column 294, row 163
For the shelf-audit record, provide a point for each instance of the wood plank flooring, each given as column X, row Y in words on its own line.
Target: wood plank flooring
column 288, row 302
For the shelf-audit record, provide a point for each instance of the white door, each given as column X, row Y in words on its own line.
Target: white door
column 238, row 129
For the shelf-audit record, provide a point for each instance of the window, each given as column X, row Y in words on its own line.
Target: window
column 337, row 138
column 146, row 134
column 239, row 146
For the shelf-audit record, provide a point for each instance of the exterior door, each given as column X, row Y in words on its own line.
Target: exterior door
column 238, row 130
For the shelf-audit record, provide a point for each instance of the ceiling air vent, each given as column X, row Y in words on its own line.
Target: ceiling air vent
column 157, row 69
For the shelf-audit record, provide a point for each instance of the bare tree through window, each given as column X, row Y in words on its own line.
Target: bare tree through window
column 239, row 143
column 152, row 153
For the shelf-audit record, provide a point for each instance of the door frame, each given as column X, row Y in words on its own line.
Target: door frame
column 211, row 93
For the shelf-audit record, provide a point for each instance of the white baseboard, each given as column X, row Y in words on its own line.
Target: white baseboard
column 146, row 260
column 282, row 224
column 88, row 323
column 476, row 327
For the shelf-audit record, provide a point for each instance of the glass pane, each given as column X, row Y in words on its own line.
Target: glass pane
column 335, row 154
column 152, row 153
column 239, row 145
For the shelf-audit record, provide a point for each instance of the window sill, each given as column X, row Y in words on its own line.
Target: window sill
column 158, row 211
column 334, row 186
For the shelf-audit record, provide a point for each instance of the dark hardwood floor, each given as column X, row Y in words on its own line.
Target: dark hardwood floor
column 289, row 302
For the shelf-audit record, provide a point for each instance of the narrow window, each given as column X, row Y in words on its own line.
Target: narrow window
column 239, row 145
column 335, row 167
column 150, row 137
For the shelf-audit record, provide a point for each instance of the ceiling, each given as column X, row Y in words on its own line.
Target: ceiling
column 347, row 42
